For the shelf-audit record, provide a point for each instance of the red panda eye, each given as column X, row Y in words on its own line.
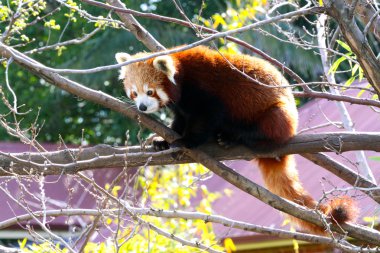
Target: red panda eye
column 149, row 92
column 134, row 93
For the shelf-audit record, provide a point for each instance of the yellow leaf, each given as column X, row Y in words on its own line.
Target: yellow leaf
column 296, row 246
column 204, row 189
column 115, row 190
column 370, row 219
column 362, row 91
column 23, row 243
column 285, row 222
column 228, row 192
column 320, row 2
column 229, row 245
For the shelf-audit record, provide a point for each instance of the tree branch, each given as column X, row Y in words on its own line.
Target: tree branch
column 352, row 100
column 339, row 10
column 242, row 43
column 230, row 223
column 138, row 30
column 345, row 173
column 104, row 156
column 365, row 234
column 365, row 12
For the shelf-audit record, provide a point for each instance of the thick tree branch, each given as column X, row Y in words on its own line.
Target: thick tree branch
column 124, row 10
column 345, row 173
column 138, row 30
column 365, row 234
column 339, row 10
column 365, row 12
column 104, row 156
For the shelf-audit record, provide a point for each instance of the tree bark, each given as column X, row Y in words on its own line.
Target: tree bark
column 340, row 11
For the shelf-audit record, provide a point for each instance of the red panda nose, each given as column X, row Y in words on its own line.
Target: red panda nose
column 142, row 107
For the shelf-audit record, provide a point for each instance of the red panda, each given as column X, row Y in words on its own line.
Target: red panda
column 213, row 98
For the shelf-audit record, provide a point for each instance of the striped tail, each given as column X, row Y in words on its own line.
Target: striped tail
column 281, row 178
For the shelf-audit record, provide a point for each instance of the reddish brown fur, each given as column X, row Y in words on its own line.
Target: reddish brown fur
column 273, row 108
column 280, row 173
column 228, row 84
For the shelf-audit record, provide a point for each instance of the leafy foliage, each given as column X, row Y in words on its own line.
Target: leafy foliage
column 60, row 114
column 44, row 23
column 168, row 188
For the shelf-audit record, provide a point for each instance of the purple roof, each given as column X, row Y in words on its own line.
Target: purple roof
column 240, row 206
column 243, row 207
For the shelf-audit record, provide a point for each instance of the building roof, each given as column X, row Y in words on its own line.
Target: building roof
column 315, row 179
column 240, row 206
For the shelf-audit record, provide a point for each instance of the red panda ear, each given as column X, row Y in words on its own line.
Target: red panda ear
column 166, row 65
column 122, row 57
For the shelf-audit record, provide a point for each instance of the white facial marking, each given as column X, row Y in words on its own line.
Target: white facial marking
column 163, row 96
column 128, row 91
column 145, row 88
column 151, row 103
column 122, row 73
column 122, row 57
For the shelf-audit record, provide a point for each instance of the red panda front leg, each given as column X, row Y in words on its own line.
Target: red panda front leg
column 197, row 131
column 178, row 125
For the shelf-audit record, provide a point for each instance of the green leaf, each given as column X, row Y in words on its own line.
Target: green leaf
column 344, row 45
column 361, row 74
column 350, row 81
column 362, row 91
column 355, row 69
column 336, row 64
column 349, row 58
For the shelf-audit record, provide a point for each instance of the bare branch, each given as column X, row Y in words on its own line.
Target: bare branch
column 370, row 23
column 344, row 114
column 346, row 174
column 178, row 49
column 365, row 12
column 339, row 10
column 200, row 28
column 230, row 223
column 343, row 98
column 218, row 168
column 65, row 43
column 136, row 28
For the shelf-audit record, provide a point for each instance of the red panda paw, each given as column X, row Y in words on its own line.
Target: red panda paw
column 224, row 142
column 160, row 144
column 343, row 209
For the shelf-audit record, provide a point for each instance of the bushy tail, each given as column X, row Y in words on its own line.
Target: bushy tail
column 281, row 178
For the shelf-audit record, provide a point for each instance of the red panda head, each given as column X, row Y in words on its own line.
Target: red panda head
column 148, row 83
